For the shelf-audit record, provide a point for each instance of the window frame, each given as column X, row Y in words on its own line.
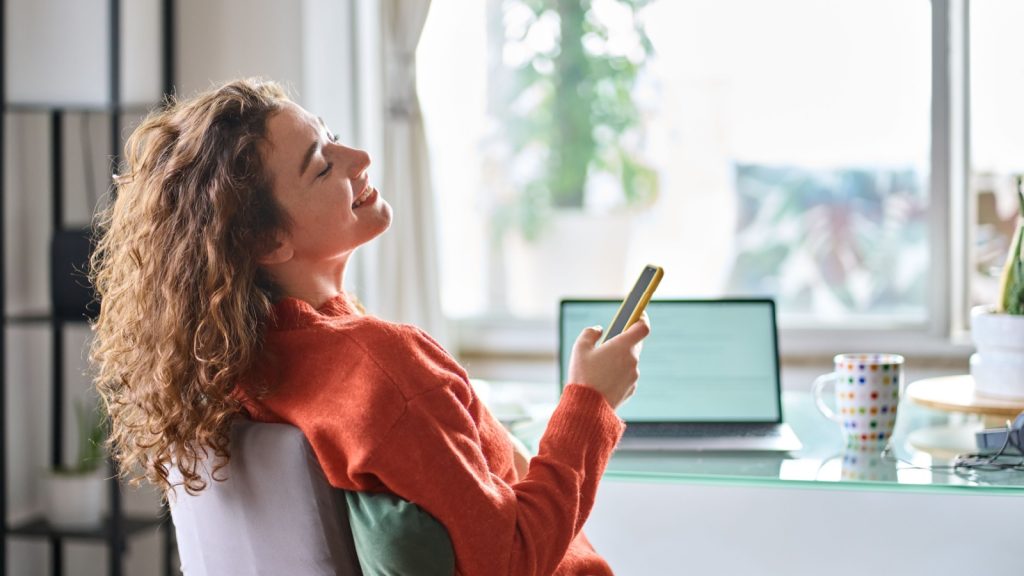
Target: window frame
column 945, row 333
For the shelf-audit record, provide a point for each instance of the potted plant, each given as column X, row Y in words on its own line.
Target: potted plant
column 998, row 333
column 575, row 130
column 74, row 494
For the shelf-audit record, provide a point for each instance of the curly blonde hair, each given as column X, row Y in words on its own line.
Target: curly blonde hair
column 183, row 300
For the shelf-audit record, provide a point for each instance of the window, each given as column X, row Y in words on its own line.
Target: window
column 774, row 148
column 997, row 145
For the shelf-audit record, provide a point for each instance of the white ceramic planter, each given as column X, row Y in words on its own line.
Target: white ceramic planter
column 75, row 500
column 998, row 365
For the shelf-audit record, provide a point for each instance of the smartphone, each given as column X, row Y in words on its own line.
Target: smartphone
column 633, row 306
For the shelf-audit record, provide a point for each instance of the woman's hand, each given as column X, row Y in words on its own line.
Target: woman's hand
column 610, row 368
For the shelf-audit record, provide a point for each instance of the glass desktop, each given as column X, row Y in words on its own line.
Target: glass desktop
column 923, row 448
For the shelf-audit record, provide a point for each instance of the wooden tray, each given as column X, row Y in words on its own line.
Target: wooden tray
column 956, row 394
column 946, row 442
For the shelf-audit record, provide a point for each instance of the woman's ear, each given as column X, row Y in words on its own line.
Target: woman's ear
column 279, row 254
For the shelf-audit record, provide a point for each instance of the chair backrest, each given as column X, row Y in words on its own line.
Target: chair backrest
column 274, row 514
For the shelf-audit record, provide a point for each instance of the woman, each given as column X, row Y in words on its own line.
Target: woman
column 220, row 268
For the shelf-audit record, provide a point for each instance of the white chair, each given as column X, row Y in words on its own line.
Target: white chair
column 274, row 514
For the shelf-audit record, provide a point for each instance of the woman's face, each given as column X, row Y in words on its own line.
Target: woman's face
column 323, row 186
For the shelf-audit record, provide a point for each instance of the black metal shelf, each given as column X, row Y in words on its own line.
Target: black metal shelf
column 40, row 528
column 77, row 108
column 117, row 528
column 42, row 318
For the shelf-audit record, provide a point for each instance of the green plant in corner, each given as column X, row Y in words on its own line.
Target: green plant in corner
column 92, row 431
column 1011, row 293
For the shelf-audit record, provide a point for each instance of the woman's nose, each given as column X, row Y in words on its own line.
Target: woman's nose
column 356, row 160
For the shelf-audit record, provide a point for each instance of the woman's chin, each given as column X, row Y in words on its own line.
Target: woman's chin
column 386, row 215
column 381, row 222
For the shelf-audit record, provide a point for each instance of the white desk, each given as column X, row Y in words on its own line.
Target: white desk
column 822, row 510
column 663, row 528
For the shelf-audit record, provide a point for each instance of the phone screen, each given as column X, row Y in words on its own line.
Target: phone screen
column 636, row 298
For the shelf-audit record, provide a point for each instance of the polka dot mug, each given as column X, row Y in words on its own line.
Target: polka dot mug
column 868, row 388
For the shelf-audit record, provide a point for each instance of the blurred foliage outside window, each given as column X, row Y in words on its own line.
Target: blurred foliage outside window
column 763, row 148
column 570, row 106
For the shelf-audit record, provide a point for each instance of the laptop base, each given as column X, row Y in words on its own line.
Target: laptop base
column 779, row 438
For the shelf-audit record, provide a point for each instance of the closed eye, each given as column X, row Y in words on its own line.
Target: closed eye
column 326, row 170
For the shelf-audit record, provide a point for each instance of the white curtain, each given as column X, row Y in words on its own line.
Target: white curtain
column 398, row 276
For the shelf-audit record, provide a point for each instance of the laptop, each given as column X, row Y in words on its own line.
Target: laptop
column 709, row 375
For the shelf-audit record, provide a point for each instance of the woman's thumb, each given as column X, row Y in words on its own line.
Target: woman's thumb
column 590, row 336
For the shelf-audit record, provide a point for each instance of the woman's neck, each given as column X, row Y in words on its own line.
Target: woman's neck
column 314, row 284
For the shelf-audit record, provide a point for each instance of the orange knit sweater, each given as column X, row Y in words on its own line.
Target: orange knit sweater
column 385, row 408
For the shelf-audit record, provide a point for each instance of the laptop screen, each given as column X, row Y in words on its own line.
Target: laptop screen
column 705, row 360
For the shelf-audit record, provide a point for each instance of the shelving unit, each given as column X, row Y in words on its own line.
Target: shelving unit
column 117, row 528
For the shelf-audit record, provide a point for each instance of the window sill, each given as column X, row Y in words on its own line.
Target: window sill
column 511, row 338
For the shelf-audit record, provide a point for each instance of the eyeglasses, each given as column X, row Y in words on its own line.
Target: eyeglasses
column 1009, row 457
column 1002, row 459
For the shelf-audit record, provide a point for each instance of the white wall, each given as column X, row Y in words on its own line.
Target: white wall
column 57, row 52
column 225, row 39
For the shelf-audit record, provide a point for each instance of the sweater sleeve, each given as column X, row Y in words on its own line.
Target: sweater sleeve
column 432, row 457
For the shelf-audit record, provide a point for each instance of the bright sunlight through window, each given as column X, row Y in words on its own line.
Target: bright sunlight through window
column 750, row 148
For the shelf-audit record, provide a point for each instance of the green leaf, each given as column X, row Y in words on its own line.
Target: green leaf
column 1015, row 288
column 91, row 433
column 1020, row 195
column 1015, row 295
column 1012, row 297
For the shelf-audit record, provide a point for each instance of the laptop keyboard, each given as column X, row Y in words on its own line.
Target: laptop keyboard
column 703, row 430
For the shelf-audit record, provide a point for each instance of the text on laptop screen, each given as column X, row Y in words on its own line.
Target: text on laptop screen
column 704, row 361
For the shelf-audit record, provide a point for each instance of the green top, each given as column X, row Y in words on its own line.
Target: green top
column 923, row 438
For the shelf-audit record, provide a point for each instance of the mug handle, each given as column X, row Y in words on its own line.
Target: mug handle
column 819, row 384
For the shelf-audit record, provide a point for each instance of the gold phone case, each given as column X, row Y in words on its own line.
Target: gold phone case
column 641, row 304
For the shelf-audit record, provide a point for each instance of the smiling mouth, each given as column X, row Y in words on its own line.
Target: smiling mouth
column 363, row 196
